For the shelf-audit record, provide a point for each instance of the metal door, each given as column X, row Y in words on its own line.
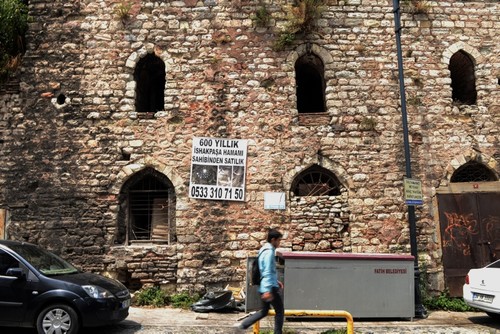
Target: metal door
column 470, row 234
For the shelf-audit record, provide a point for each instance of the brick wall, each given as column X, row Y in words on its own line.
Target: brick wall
column 64, row 166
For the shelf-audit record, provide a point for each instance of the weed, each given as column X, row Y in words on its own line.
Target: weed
column 418, row 6
column 301, row 19
column 335, row 331
column 285, row 331
column 421, row 7
column 153, row 296
column 122, row 10
column 446, row 303
column 283, row 40
column 262, row 16
column 368, row 124
column 14, row 18
column 183, row 300
column 414, row 100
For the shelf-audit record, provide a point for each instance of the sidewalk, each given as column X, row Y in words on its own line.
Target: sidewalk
column 439, row 322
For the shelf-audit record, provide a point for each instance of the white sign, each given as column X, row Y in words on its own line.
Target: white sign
column 218, row 168
column 413, row 191
column 274, row 201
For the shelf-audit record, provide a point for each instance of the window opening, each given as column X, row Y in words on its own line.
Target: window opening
column 310, row 82
column 316, row 181
column 7, row 262
column 473, row 171
column 463, row 82
column 150, row 206
column 149, row 76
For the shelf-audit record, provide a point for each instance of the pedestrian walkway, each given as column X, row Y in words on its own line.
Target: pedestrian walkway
column 171, row 320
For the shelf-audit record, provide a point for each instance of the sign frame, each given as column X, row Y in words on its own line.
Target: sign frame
column 218, row 169
column 413, row 191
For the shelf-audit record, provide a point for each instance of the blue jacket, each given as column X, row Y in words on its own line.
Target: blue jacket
column 267, row 266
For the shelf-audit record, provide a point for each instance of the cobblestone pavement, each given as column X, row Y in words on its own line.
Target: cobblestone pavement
column 174, row 321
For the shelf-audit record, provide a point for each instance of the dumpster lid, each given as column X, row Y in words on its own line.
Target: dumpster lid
column 344, row 256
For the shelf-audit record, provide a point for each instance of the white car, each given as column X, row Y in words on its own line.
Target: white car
column 482, row 289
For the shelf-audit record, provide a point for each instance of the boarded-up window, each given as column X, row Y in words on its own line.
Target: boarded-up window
column 309, row 78
column 147, row 209
column 463, row 81
column 316, row 181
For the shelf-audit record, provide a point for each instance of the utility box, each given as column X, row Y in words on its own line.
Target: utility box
column 252, row 299
column 365, row 285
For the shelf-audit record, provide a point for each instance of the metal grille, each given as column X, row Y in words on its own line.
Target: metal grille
column 316, row 182
column 149, row 203
column 473, row 172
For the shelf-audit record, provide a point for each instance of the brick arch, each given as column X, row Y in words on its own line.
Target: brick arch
column 131, row 63
column 304, row 49
column 474, row 54
column 321, row 161
column 462, row 159
column 129, row 170
column 327, row 68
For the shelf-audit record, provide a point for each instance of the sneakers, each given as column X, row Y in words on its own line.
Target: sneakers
column 238, row 328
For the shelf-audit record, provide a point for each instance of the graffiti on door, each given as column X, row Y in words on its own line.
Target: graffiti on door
column 459, row 230
column 470, row 234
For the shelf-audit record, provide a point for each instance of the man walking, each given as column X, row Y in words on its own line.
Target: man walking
column 269, row 287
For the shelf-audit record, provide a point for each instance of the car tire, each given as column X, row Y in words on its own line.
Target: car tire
column 57, row 318
column 495, row 316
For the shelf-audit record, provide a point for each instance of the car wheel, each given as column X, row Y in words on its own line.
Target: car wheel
column 57, row 319
column 495, row 316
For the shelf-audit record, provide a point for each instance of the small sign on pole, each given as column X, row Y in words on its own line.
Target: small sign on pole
column 413, row 191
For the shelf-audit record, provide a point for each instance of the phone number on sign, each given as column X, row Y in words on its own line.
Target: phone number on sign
column 206, row 192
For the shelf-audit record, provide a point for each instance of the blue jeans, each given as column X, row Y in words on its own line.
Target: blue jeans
column 277, row 304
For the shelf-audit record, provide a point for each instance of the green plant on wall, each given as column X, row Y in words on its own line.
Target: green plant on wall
column 14, row 21
column 301, row 18
column 122, row 11
column 262, row 16
column 443, row 301
column 368, row 124
column 417, row 6
column 284, row 39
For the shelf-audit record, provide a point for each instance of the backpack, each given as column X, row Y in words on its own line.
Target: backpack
column 255, row 271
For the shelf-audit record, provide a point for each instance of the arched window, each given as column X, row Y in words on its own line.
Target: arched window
column 473, row 171
column 463, row 81
column 149, row 76
column 316, row 181
column 310, row 82
column 147, row 208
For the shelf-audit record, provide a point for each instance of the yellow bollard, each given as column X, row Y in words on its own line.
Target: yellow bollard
column 256, row 328
column 313, row 313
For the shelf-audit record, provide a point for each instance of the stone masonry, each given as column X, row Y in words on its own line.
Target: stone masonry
column 64, row 133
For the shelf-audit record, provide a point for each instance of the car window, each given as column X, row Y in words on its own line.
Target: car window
column 7, row 262
column 495, row 264
column 44, row 261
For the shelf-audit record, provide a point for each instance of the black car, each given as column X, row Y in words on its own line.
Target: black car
column 39, row 289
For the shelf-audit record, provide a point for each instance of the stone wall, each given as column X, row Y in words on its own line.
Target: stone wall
column 320, row 223
column 64, row 163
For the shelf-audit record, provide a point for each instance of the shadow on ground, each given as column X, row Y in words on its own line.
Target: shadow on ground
column 124, row 327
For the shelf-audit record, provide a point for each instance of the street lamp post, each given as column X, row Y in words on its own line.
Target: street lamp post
column 420, row 311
